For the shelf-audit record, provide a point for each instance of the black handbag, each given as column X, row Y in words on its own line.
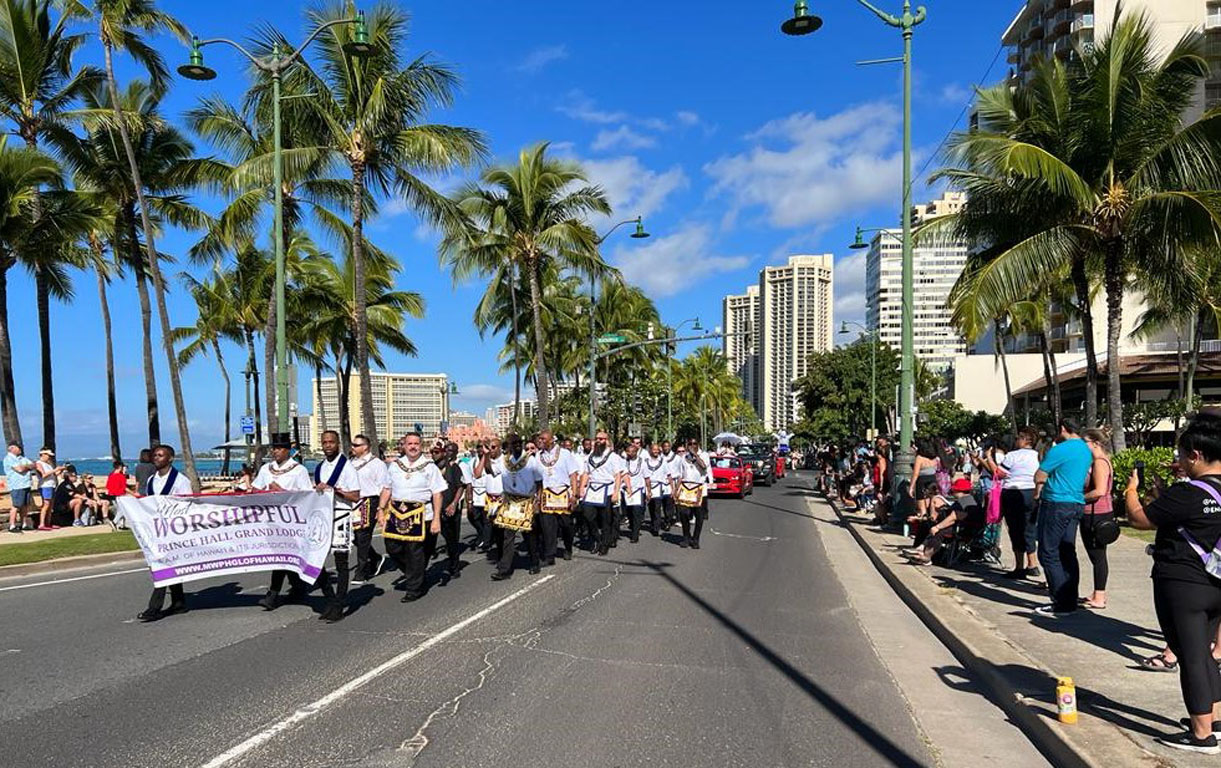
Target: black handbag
column 1103, row 532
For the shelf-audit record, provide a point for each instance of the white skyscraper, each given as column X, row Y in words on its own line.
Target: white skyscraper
column 402, row 402
column 741, row 315
column 795, row 322
column 936, row 267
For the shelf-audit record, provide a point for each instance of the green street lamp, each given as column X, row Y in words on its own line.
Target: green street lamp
column 276, row 64
column 670, row 376
column 803, row 22
column 639, row 234
column 873, row 371
column 906, row 23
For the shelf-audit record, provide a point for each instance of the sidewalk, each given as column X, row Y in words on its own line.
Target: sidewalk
column 1123, row 706
column 28, row 537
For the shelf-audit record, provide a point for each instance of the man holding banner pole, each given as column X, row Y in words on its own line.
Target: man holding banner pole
column 335, row 473
column 165, row 481
column 282, row 473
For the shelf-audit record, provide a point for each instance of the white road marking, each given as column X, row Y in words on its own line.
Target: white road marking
column 739, row 536
column 313, row 708
column 143, row 569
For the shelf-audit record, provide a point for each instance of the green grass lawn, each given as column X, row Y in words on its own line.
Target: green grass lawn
column 1142, row 535
column 38, row 551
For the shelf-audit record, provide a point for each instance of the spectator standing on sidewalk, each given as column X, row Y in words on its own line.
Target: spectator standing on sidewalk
column 1097, row 526
column 45, row 479
column 144, row 469
column 1017, row 469
column 17, row 470
column 1060, row 489
column 1186, row 596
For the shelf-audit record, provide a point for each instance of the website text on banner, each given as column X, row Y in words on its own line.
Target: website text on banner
column 186, row 538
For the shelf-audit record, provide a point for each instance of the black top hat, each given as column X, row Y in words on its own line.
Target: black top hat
column 281, row 440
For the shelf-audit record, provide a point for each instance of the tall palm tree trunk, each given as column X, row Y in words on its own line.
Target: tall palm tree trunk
column 163, row 313
column 8, row 392
column 1114, row 278
column 540, row 363
column 42, row 293
column 1193, row 360
column 112, row 406
column 345, row 404
column 516, row 348
column 146, row 326
column 220, row 362
column 1000, row 352
column 1081, row 286
column 361, row 321
column 1052, row 386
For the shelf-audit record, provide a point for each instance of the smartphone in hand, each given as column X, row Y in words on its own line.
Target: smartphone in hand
column 1140, row 473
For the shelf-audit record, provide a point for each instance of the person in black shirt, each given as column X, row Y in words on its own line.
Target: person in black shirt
column 445, row 456
column 1186, row 596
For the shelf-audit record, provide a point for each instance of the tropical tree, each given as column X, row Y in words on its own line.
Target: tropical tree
column 105, row 269
column 120, row 24
column 37, row 83
column 532, row 215
column 212, row 324
column 1136, row 188
column 369, row 113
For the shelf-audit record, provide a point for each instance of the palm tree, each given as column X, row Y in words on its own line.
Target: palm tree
column 369, row 113
column 167, row 168
column 120, row 24
column 105, row 269
column 532, row 215
column 1135, row 189
column 53, row 223
column 37, row 83
column 213, row 322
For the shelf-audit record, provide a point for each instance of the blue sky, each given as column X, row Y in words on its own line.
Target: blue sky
column 738, row 144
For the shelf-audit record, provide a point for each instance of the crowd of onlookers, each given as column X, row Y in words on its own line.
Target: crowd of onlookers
column 47, row 496
column 1046, row 488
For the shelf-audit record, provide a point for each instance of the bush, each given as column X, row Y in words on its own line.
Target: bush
column 1157, row 462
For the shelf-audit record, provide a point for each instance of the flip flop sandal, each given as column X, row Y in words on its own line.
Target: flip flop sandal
column 1158, row 663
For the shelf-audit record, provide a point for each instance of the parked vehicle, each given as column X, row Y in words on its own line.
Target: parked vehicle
column 762, row 461
column 732, row 476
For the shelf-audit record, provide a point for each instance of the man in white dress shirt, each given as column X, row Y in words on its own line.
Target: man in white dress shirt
column 336, row 473
column 373, row 477
column 658, row 472
column 693, row 470
column 284, row 473
column 561, row 479
column 165, row 481
column 477, row 501
column 635, row 490
column 523, row 483
column 601, row 478
column 409, row 509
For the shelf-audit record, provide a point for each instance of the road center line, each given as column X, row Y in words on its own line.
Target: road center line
column 314, row 707
column 143, row 568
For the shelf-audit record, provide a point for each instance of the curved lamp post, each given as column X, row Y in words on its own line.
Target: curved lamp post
column 275, row 65
column 639, row 234
column 803, row 23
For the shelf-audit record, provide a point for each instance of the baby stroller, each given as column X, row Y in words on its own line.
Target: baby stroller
column 974, row 540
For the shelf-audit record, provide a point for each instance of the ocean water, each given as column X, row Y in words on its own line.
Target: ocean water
column 207, row 467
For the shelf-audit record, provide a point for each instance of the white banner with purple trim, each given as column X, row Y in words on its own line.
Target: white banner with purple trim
column 186, row 538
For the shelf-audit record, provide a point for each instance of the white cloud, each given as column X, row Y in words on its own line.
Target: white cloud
column 803, row 170
column 541, row 57
column 955, row 93
column 673, row 263
column 850, row 295
column 622, row 136
column 633, row 189
column 687, row 117
column 581, row 107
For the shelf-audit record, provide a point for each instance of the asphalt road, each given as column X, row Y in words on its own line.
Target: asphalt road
column 745, row 652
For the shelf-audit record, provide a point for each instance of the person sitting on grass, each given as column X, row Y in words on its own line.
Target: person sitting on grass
column 958, row 512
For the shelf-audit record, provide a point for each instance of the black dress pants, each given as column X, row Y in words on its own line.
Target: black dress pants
column 451, row 531
column 1188, row 613
column 362, row 542
column 635, row 516
column 608, row 517
column 659, row 516
column 411, row 562
column 508, row 549
column 591, row 516
column 689, row 515
column 478, row 517
column 552, row 526
column 157, row 601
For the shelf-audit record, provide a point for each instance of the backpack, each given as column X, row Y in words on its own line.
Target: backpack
column 1211, row 560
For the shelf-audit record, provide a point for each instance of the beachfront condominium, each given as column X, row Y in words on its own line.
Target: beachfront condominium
column 402, row 402
column 1064, row 28
column 500, row 417
column 795, row 319
column 741, row 342
column 937, row 263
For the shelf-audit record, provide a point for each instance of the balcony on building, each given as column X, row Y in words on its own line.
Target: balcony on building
column 1035, row 30
column 1083, row 22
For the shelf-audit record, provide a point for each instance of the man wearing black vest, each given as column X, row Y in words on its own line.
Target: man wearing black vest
column 337, row 474
column 165, row 481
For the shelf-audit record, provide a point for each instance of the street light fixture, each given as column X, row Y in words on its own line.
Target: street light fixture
column 906, row 23
column 276, row 64
column 639, row 234
column 803, row 22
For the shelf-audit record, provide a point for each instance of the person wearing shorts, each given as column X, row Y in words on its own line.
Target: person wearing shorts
column 17, row 470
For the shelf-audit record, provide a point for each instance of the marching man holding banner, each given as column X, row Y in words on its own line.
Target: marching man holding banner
column 282, row 473
column 407, row 508
column 165, row 481
column 335, row 473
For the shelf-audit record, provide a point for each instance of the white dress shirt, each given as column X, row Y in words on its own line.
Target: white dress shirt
column 600, row 471
column 181, row 487
column 524, row 480
column 347, row 481
column 635, row 475
column 494, row 476
column 290, row 476
column 659, row 473
column 372, row 477
column 558, row 466
column 416, row 481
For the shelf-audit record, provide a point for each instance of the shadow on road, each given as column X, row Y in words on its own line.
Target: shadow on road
column 891, row 752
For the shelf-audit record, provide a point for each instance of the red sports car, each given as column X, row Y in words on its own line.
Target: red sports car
column 732, row 476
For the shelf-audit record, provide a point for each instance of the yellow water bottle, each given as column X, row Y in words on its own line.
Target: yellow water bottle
column 1066, row 700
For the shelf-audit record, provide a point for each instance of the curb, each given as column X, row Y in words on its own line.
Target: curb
column 75, row 563
column 1096, row 743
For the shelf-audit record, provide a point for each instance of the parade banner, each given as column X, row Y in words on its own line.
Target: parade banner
column 186, row 538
